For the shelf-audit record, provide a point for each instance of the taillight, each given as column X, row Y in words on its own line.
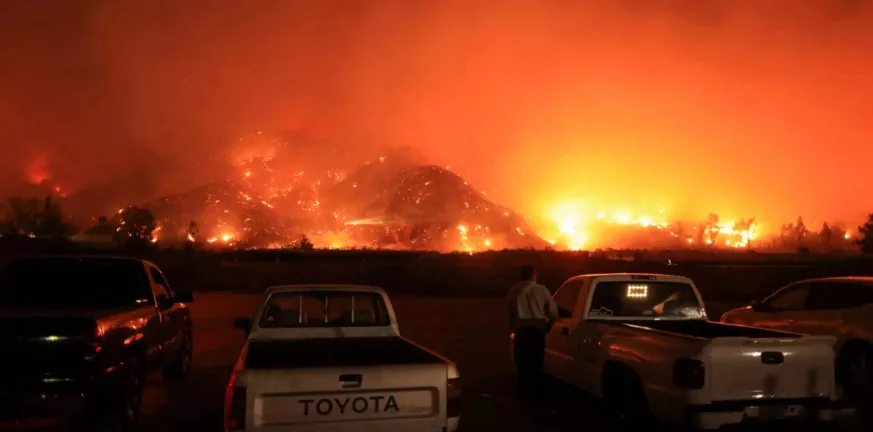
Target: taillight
column 453, row 397
column 235, row 397
column 234, row 408
column 689, row 374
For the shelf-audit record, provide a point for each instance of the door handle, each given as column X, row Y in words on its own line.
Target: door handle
column 791, row 321
column 351, row 380
column 565, row 331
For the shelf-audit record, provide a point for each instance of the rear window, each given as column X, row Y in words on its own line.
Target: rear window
column 325, row 309
column 74, row 283
column 645, row 299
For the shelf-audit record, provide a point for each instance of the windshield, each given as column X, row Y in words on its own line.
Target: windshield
column 74, row 283
column 647, row 299
column 325, row 309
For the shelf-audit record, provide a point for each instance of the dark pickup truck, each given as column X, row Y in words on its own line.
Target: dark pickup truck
column 80, row 334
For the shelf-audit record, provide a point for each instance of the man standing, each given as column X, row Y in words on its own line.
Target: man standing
column 532, row 311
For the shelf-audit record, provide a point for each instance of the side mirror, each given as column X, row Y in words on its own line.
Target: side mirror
column 244, row 324
column 757, row 306
column 184, row 297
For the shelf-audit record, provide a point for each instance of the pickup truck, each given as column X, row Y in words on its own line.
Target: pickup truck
column 331, row 358
column 80, row 334
column 642, row 343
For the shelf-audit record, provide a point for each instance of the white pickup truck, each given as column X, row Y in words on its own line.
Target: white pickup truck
column 331, row 358
column 643, row 343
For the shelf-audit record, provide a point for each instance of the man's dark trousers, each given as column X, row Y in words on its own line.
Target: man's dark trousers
column 529, row 349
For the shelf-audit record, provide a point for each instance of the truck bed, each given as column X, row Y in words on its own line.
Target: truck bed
column 335, row 352
column 707, row 329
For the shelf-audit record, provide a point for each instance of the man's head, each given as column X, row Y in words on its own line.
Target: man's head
column 528, row 273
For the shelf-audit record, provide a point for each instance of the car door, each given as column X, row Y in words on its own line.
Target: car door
column 171, row 322
column 832, row 308
column 559, row 360
column 784, row 310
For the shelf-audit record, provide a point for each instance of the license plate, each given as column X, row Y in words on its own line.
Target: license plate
column 773, row 412
column 287, row 409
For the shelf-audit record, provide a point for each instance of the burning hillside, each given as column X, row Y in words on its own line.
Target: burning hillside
column 273, row 189
column 389, row 203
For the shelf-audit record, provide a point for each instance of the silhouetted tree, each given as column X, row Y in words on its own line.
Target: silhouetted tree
column 745, row 226
column 138, row 224
column 865, row 237
column 825, row 235
column 25, row 216
column 700, row 234
column 800, row 231
column 304, row 244
column 51, row 221
column 712, row 228
column 786, row 235
column 22, row 215
column 193, row 232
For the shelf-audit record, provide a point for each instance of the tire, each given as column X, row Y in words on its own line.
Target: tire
column 624, row 396
column 855, row 372
column 123, row 414
column 179, row 368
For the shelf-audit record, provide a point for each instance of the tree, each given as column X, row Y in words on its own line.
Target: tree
column 786, row 234
column 712, row 228
column 51, row 222
column 26, row 216
column 744, row 227
column 865, row 237
column 825, row 235
column 193, row 232
column 138, row 224
column 800, row 230
column 304, row 244
column 22, row 215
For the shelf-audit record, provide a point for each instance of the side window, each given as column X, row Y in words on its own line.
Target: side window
column 790, row 298
column 161, row 289
column 566, row 297
column 832, row 296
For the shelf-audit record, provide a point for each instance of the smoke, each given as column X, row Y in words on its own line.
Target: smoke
column 752, row 108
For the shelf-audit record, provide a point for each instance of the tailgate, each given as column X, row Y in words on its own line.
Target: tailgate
column 346, row 385
column 770, row 368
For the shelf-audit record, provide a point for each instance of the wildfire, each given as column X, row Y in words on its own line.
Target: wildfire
column 570, row 225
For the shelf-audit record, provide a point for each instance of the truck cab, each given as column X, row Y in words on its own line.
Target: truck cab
column 82, row 332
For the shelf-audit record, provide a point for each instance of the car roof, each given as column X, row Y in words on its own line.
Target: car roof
column 863, row 280
column 324, row 288
column 80, row 257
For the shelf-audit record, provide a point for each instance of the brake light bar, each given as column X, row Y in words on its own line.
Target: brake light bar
column 453, row 397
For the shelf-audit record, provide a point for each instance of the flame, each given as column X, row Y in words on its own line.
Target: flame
column 37, row 170
column 572, row 225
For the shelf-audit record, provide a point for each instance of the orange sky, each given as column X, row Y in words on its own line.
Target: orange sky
column 744, row 108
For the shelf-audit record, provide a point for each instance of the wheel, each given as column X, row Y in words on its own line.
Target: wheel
column 122, row 414
column 625, row 398
column 855, row 371
column 132, row 395
column 178, row 370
